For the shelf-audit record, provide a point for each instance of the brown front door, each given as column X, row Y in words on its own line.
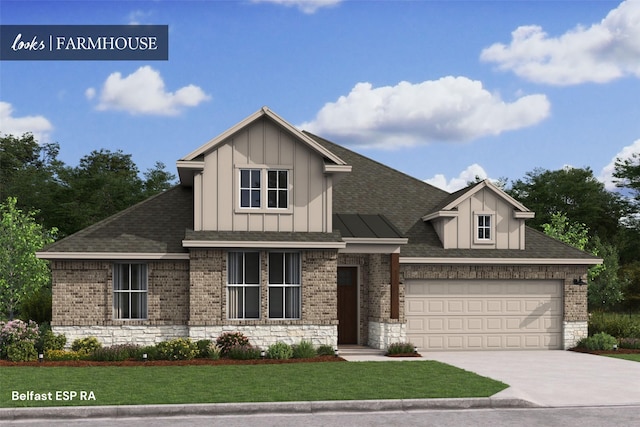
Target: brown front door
column 347, row 305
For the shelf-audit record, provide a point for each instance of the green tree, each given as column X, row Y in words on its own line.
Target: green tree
column 28, row 171
column 575, row 192
column 627, row 174
column 157, row 179
column 21, row 273
column 605, row 286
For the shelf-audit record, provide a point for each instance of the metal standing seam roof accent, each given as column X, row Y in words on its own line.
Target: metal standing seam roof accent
column 365, row 226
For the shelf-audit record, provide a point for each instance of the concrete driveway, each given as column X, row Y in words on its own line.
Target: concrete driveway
column 554, row 378
column 550, row 378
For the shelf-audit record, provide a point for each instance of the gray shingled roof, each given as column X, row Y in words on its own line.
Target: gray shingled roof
column 373, row 188
column 374, row 196
column 155, row 225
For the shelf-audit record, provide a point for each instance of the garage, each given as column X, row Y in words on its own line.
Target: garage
column 484, row 314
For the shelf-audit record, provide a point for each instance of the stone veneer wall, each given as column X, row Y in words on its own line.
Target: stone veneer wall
column 381, row 334
column 264, row 335
column 575, row 314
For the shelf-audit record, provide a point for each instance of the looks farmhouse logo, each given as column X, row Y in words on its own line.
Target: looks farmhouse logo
column 84, row 42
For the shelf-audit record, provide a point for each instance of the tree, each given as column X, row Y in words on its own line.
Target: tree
column 21, row 273
column 28, row 171
column 157, row 179
column 575, row 192
column 605, row 287
column 627, row 174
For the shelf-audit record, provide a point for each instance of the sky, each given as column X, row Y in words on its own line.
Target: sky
column 441, row 90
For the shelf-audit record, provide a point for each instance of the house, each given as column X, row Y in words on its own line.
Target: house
column 283, row 235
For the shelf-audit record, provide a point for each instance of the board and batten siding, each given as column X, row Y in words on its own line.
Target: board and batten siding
column 263, row 145
column 458, row 232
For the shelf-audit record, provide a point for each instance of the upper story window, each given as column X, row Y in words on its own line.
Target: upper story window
column 250, row 188
column 254, row 194
column 278, row 189
column 484, row 228
column 129, row 291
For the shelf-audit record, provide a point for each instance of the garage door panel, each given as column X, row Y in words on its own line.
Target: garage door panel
column 485, row 314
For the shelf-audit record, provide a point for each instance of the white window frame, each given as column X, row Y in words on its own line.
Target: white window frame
column 250, row 188
column 290, row 286
column 265, row 189
column 126, row 290
column 480, row 228
column 278, row 190
column 238, row 287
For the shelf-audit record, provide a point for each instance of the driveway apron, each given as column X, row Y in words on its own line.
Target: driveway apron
column 553, row 378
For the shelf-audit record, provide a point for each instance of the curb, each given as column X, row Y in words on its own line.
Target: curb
column 210, row 409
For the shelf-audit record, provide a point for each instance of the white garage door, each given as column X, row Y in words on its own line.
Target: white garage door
column 481, row 315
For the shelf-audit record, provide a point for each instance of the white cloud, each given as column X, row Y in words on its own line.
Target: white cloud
column 143, row 92
column 306, row 6
column 39, row 126
column 601, row 53
column 454, row 184
column 606, row 175
column 137, row 17
column 448, row 109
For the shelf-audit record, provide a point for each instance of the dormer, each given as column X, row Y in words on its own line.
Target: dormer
column 262, row 175
column 481, row 216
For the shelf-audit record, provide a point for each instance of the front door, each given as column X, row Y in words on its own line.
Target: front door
column 347, row 305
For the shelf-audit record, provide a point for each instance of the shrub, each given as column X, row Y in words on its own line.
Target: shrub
column 86, row 345
column 37, row 306
column 230, row 339
column 115, row 353
column 57, row 355
column 280, row 350
column 50, row 341
column 325, row 350
column 22, row 351
column 177, row 349
column 243, row 352
column 16, row 331
column 400, row 348
column 632, row 343
column 207, row 349
column 304, row 350
column 151, row 351
column 615, row 324
column 600, row 341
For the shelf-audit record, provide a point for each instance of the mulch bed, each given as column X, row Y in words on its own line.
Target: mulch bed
column 81, row 363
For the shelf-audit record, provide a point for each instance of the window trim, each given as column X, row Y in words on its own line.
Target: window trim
column 477, row 227
column 250, row 188
column 129, row 291
column 243, row 286
column 284, row 285
column 264, row 189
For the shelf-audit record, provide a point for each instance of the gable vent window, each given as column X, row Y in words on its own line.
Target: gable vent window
column 250, row 188
column 278, row 189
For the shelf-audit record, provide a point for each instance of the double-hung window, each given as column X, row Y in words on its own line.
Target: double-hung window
column 278, row 189
column 243, row 285
column 284, row 285
column 264, row 188
column 484, row 228
column 250, row 188
column 130, row 291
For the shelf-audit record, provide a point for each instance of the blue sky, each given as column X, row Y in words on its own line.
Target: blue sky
column 441, row 90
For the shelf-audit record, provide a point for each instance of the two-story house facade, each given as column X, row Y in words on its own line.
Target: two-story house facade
column 284, row 236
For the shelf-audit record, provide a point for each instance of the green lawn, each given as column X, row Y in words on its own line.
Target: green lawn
column 634, row 357
column 243, row 383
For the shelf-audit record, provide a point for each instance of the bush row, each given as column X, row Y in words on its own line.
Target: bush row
column 615, row 324
column 20, row 341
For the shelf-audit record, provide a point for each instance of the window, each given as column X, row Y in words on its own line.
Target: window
column 250, row 188
column 484, row 228
column 130, row 291
column 243, row 285
column 255, row 194
column 284, row 285
column 277, row 189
